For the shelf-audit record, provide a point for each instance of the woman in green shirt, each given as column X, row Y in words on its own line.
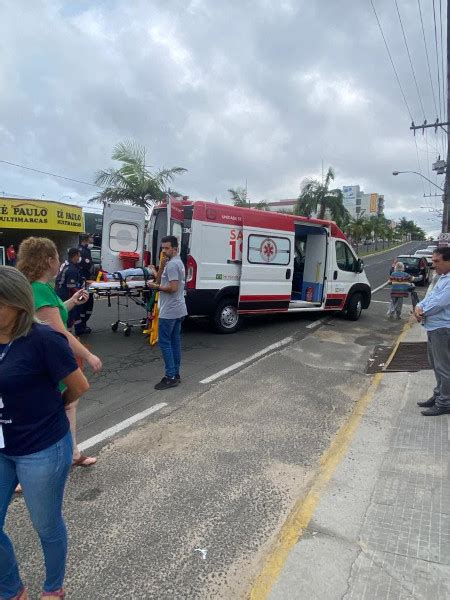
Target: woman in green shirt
column 39, row 262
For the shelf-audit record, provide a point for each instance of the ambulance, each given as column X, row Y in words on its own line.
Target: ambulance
column 243, row 261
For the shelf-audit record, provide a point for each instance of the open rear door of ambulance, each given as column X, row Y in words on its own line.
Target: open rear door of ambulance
column 123, row 232
column 267, row 269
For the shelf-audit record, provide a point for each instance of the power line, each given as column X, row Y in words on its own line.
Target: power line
column 409, row 57
column 392, row 62
column 399, row 84
column 6, row 162
column 428, row 59
column 442, row 57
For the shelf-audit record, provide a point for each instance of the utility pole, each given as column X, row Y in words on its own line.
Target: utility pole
column 445, row 197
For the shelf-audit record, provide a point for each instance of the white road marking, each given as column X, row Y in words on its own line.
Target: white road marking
column 386, row 302
column 247, row 360
column 315, row 324
column 380, row 287
column 104, row 435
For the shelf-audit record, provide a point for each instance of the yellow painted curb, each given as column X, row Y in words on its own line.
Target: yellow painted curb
column 304, row 508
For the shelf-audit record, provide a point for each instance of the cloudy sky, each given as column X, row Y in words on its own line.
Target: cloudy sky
column 261, row 91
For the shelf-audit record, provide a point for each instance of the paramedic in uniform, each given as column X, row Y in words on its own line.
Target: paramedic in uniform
column 68, row 281
column 86, row 273
column 172, row 310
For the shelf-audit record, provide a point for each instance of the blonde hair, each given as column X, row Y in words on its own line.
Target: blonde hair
column 399, row 266
column 15, row 291
column 33, row 257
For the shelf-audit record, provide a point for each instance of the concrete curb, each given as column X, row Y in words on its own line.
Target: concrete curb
column 383, row 251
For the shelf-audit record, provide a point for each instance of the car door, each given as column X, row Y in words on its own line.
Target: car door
column 267, row 269
column 123, row 231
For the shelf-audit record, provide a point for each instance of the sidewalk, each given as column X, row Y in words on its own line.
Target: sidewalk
column 381, row 529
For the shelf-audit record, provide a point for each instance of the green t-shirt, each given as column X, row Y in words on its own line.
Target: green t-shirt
column 44, row 295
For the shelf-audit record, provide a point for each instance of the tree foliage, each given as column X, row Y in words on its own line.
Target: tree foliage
column 317, row 198
column 134, row 182
column 239, row 197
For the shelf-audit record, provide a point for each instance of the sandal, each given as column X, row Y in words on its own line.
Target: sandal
column 53, row 595
column 84, row 461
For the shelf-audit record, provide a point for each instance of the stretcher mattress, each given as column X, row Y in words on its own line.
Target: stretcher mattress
column 117, row 286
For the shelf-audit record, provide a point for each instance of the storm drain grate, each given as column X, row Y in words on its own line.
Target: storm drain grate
column 410, row 356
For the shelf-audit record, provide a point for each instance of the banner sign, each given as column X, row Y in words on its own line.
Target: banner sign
column 373, row 203
column 36, row 214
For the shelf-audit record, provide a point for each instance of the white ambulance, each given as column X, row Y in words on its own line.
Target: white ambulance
column 242, row 261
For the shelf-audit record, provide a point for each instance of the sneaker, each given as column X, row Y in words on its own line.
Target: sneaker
column 166, row 382
column 178, row 378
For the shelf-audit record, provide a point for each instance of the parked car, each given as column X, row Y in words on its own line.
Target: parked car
column 426, row 253
column 415, row 266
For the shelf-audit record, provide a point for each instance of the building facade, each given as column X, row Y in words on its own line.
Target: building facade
column 360, row 204
column 22, row 218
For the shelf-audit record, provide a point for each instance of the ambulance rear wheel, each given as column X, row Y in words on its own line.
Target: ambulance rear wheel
column 354, row 307
column 226, row 318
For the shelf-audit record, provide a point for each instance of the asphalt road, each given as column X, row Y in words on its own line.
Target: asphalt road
column 132, row 367
column 186, row 504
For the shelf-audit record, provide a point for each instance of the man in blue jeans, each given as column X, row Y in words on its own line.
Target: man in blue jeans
column 172, row 310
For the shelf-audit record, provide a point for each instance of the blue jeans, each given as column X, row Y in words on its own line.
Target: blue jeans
column 169, row 339
column 42, row 476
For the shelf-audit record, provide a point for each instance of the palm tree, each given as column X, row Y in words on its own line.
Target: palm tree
column 317, row 198
column 355, row 229
column 133, row 183
column 239, row 197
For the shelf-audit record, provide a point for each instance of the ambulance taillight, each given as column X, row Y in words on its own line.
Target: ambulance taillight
column 191, row 276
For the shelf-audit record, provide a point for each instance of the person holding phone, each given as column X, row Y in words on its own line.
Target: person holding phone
column 39, row 262
column 35, row 438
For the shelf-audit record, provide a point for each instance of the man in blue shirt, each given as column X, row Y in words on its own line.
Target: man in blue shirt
column 434, row 313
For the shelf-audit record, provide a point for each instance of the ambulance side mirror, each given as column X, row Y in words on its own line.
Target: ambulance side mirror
column 359, row 266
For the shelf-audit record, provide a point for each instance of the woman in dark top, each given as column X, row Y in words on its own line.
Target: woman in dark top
column 39, row 262
column 35, row 439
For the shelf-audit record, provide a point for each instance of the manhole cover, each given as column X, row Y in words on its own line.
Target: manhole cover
column 409, row 357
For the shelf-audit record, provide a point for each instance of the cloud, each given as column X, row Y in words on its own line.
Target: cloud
column 249, row 90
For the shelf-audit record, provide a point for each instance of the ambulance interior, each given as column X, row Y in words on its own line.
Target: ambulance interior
column 309, row 265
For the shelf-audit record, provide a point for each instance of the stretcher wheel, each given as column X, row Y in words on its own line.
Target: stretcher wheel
column 127, row 331
column 114, row 327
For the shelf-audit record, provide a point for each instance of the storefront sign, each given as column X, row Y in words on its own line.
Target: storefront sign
column 35, row 214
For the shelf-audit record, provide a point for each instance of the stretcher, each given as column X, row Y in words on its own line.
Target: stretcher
column 136, row 291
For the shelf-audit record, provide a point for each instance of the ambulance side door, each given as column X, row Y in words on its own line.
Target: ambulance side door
column 123, row 231
column 267, row 270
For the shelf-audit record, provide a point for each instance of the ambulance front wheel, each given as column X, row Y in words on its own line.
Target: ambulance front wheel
column 226, row 318
column 354, row 307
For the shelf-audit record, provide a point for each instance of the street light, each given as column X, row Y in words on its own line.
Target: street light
column 420, row 175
